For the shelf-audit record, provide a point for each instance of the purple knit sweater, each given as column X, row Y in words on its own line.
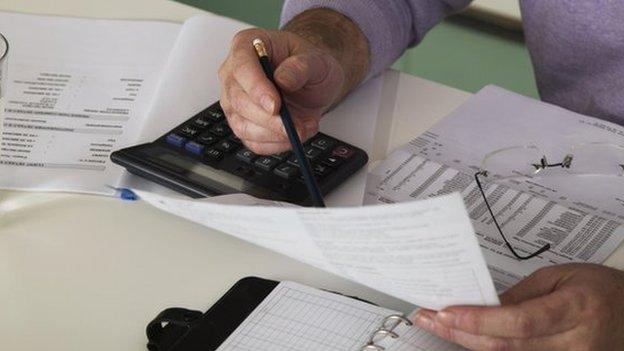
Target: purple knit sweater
column 577, row 47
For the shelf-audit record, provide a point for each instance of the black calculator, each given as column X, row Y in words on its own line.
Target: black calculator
column 202, row 157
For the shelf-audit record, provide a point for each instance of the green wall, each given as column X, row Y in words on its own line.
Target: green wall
column 463, row 53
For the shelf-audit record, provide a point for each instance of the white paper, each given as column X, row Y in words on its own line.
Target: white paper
column 297, row 317
column 77, row 90
column 546, row 210
column 422, row 252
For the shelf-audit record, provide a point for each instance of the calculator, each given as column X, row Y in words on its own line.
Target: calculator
column 202, row 158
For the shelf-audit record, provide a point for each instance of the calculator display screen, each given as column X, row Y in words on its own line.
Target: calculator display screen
column 201, row 172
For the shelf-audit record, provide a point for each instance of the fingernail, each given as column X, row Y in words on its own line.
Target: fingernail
column 424, row 321
column 268, row 104
column 287, row 77
column 447, row 318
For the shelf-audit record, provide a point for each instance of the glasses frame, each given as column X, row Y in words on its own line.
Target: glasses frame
column 3, row 57
column 539, row 166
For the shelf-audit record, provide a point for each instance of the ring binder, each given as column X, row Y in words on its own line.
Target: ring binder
column 385, row 330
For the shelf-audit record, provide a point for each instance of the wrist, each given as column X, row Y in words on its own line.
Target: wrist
column 338, row 36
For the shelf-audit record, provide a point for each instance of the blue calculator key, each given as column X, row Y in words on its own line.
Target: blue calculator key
column 194, row 148
column 176, row 140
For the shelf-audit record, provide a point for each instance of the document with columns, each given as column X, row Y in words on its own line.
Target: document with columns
column 575, row 210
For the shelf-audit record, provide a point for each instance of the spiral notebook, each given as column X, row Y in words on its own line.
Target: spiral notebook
column 298, row 317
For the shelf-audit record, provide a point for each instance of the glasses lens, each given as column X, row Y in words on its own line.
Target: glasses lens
column 598, row 159
column 513, row 162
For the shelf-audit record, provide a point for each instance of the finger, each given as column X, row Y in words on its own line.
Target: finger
column 247, row 71
column 300, row 70
column 243, row 106
column 249, row 131
column 547, row 315
column 267, row 148
column 426, row 320
column 311, row 79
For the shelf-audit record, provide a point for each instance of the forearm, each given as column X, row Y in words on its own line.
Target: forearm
column 338, row 35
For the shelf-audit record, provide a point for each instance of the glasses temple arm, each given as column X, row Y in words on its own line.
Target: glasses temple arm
column 498, row 227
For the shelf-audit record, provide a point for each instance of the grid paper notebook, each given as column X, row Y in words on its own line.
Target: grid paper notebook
column 297, row 317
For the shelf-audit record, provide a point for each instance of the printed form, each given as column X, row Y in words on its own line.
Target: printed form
column 423, row 252
column 579, row 216
column 298, row 317
column 75, row 96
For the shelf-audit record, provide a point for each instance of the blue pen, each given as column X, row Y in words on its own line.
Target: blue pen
column 124, row 193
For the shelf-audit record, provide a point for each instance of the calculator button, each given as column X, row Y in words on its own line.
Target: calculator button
column 323, row 143
column 215, row 115
column 214, row 154
column 246, row 156
column 201, row 122
column 286, row 171
column 282, row 156
column 266, row 163
column 188, row 131
column 226, row 146
column 343, row 151
column 332, row 161
column 221, row 130
column 195, row 148
column 175, row 140
column 312, row 152
column 320, row 170
column 293, row 160
column 207, row 138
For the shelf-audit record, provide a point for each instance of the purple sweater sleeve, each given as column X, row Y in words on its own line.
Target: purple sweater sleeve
column 390, row 25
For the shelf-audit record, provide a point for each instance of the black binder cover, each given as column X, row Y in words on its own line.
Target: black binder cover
column 178, row 329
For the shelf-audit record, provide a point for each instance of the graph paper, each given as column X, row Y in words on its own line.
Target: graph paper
column 297, row 317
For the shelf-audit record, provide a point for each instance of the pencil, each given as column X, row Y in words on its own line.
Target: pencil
column 291, row 131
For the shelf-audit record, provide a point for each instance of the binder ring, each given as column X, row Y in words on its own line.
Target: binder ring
column 393, row 321
column 384, row 333
column 372, row 347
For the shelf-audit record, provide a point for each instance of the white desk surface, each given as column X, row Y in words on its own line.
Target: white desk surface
column 88, row 273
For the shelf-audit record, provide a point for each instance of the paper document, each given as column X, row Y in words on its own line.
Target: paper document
column 581, row 217
column 422, row 252
column 76, row 95
column 297, row 317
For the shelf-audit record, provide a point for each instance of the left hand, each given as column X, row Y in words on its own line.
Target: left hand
column 568, row 307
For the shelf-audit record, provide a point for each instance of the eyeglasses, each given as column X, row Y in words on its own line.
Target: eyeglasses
column 518, row 162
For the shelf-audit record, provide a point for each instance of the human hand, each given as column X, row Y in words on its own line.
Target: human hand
column 312, row 73
column 569, row 307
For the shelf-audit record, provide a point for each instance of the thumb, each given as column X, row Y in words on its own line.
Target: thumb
column 299, row 71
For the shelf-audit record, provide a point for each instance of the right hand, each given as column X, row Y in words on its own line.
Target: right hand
column 311, row 79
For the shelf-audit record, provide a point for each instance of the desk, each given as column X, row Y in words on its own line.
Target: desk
column 88, row 273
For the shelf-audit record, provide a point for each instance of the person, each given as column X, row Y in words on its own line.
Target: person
column 326, row 48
